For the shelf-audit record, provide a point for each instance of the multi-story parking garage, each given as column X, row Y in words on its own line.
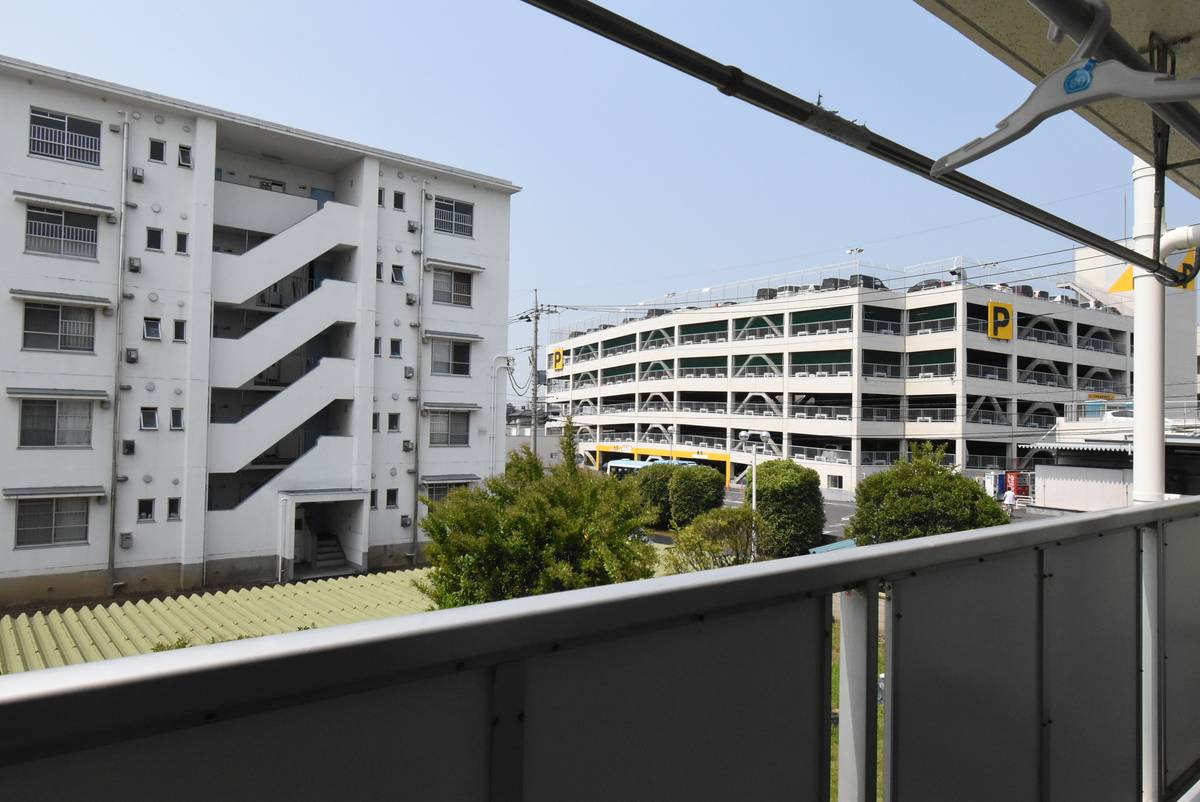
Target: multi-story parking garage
column 841, row 376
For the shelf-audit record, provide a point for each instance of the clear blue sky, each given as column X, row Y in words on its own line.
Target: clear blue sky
column 637, row 179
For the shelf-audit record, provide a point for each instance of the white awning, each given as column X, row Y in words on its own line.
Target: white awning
column 61, row 491
column 451, row 335
column 60, row 297
column 62, row 203
column 445, row 264
column 51, row 392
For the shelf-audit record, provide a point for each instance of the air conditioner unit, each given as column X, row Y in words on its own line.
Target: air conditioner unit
column 408, row 445
column 843, row 417
column 137, row 174
column 127, row 447
column 802, row 333
column 800, row 415
column 409, row 371
column 924, row 419
column 131, row 355
column 412, row 226
column 822, row 373
column 843, row 330
column 925, row 376
column 135, row 264
column 821, row 416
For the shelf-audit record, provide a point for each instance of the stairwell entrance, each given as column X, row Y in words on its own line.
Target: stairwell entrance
column 328, row 538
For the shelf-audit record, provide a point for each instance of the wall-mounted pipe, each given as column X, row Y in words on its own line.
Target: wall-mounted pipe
column 420, row 348
column 119, row 346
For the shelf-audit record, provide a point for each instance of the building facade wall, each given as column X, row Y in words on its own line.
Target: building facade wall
column 286, row 231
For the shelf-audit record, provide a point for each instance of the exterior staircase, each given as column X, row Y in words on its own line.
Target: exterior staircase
column 328, row 553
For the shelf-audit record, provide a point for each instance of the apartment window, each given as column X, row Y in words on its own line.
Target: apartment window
column 452, row 287
column 394, row 345
column 438, row 491
column 145, row 510
column 60, row 233
column 393, row 498
column 177, row 419
column 173, row 506
column 51, row 521
column 374, row 421
column 393, row 421
column 185, row 156
column 158, row 151
column 148, row 421
column 379, row 197
column 55, row 424
column 151, row 328
column 378, row 346
column 833, row 482
column 181, row 242
column 449, row 428
column 451, row 358
column 154, row 239
column 61, row 136
column 454, row 216
column 180, row 331
column 52, row 327
column 379, row 271
column 397, row 274
column 374, row 499
column 398, row 201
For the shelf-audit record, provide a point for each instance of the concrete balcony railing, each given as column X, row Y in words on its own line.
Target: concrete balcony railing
column 931, row 326
column 758, row 333
column 617, row 409
column 703, row 337
column 1042, row 377
column 880, row 458
column 939, row 370
column 1015, row 661
column 753, row 408
column 706, row 407
column 841, row 413
column 617, row 350
column 1036, row 420
column 822, row 327
column 818, row 454
column 238, row 278
column 1101, row 345
column 822, row 370
column 701, row 441
column 931, row 415
column 1044, row 336
column 702, row 373
column 880, row 414
column 877, row 370
column 656, row 406
column 237, row 361
column 989, row 462
column 661, row 342
column 1103, row 385
column 992, row 372
column 989, row 417
column 893, row 327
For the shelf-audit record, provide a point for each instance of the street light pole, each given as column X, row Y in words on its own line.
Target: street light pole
column 744, row 436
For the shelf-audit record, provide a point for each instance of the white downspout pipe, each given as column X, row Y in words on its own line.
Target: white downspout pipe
column 118, row 337
column 497, row 431
column 1149, row 309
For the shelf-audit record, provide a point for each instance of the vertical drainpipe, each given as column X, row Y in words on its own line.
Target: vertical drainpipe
column 412, row 552
column 1149, row 305
column 117, row 337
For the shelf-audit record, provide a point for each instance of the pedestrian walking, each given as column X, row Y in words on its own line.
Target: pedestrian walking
column 1010, row 501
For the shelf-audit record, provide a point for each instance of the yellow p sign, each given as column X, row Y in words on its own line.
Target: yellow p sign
column 557, row 361
column 1000, row 320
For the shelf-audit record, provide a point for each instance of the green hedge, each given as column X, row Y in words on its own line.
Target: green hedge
column 693, row 489
column 654, row 481
column 790, row 501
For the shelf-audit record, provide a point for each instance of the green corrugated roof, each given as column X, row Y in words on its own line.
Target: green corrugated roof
column 86, row 634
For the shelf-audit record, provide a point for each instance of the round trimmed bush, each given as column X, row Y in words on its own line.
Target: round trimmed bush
column 693, row 489
column 790, row 501
column 654, row 483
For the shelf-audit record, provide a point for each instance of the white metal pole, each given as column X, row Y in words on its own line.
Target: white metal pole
column 754, row 504
column 1149, row 307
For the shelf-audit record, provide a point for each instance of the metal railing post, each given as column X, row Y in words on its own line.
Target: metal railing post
column 858, row 691
column 1151, row 662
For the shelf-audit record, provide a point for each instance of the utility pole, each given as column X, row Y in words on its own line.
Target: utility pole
column 533, row 316
column 537, row 313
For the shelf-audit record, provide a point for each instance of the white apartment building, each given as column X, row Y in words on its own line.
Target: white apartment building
column 234, row 351
column 843, row 375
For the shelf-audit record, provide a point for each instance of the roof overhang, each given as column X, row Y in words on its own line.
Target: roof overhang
column 53, row 392
column 428, row 335
column 73, row 299
column 1015, row 33
column 464, row 406
column 62, row 491
column 445, row 264
column 56, row 202
column 445, row 478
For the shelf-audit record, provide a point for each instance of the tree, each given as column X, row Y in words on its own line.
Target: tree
column 790, row 501
column 535, row 530
column 693, row 489
column 715, row 539
column 654, row 482
column 920, row 497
